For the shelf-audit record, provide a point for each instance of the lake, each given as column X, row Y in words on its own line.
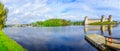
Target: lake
column 66, row 38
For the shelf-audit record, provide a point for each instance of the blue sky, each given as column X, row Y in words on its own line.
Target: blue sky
column 27, row 11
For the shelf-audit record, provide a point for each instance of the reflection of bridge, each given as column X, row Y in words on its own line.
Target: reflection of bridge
column 96, row 28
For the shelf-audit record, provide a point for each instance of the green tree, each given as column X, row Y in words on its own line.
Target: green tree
column 65, row 22
column 39, row 23
column 77, row 23
column 56, row 22
column 3, row 15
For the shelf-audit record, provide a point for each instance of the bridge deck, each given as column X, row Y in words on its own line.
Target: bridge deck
column 100, row 41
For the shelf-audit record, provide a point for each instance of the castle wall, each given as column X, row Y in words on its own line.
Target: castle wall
column 92, row 21
column 105, row 19
column 88, row 21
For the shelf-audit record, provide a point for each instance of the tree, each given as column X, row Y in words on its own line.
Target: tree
column 77, row 23
column 3, row 15
column 53, row 22
column 56, row 22
column 39, row 23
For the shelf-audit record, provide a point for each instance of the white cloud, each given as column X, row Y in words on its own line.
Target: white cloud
column 87, row 8
column 16, row 11
column 27, row 4
column 6, row 1
column 33, row 10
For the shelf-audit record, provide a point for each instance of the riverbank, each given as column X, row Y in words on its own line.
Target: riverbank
column 7, row 44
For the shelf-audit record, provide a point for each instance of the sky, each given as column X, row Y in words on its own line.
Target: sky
column 28, row 11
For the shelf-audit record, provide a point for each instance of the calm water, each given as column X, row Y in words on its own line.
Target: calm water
column 67, row 38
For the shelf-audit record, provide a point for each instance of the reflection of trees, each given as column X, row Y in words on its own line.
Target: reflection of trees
column 102, row 28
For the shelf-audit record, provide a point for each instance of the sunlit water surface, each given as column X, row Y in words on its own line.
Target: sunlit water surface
column 67, row 38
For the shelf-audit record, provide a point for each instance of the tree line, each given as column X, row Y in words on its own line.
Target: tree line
column 56, row 22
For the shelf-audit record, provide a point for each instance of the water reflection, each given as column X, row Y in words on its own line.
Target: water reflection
column 102, row 29
column 69, row 38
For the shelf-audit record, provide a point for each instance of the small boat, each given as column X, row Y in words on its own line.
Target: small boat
column 102, row 42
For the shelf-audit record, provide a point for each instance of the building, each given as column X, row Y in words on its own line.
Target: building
column 88, row 21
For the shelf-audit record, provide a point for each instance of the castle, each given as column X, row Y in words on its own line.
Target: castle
column 88, row 21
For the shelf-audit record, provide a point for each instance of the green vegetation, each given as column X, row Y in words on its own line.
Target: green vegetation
column 77, row 23
column 63, row 22
column 56, row 22
column 105, row 23
column 38, row 23
column 7, row 44
column 3, row 15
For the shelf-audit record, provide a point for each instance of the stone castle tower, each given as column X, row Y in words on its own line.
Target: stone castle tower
column 102, row 18
column 87, row 21
column 110, row 18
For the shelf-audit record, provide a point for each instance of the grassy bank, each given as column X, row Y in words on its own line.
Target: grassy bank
column 104, row 23
column 7, row 44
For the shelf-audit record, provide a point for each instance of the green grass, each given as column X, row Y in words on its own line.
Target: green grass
column 104, row 23
column 7, row 44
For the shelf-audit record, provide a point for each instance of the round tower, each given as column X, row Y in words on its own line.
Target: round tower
column 103, row 18
column 86, row 20
column 110, row 18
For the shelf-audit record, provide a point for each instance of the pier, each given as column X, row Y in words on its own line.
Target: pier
column 101, row 42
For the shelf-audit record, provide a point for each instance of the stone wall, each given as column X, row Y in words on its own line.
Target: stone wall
column 93, row 20
column 88, row 21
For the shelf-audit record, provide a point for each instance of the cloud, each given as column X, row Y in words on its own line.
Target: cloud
column 25, row 10
column 33, row 10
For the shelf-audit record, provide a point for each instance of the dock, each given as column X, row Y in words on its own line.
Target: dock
column 101, row 42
